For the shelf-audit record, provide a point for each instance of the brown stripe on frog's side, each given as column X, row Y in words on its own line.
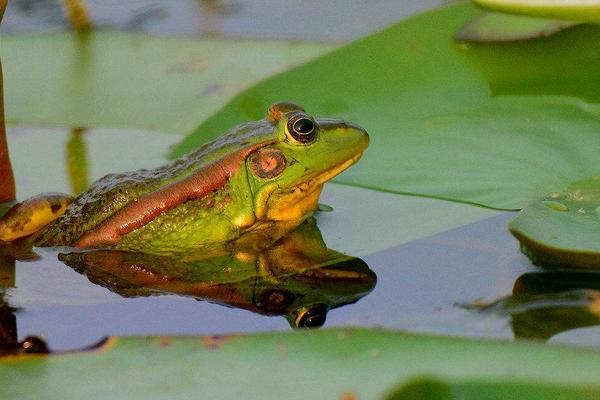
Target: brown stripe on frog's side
column 150, row 205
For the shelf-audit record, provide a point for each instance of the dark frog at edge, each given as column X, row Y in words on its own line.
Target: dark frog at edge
column 247, row 189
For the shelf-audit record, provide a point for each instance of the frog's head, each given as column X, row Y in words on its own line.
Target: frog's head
column 287, row 176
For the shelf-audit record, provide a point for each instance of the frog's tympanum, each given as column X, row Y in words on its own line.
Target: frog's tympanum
column 544, row 304
column 247, row 188
column 298, row 277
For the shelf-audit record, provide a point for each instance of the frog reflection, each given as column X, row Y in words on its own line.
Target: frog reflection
column 544, row 304
column 298, row 277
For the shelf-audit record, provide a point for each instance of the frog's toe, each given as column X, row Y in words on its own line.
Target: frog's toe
column 31, row 215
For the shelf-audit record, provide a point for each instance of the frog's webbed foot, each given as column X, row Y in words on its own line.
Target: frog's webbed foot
column 31, row 215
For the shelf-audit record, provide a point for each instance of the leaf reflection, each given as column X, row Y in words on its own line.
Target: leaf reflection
column 544, row 304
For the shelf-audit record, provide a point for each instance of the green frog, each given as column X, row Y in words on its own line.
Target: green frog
column 247, row 188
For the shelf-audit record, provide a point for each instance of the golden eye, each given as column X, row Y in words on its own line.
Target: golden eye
column 302, row 128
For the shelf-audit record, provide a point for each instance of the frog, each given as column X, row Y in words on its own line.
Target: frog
column 247, row 188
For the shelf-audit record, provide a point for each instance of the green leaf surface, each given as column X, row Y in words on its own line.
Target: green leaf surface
column 562, row 228
column 495, row 125
column 392, row 219
column 327, row 364
column 494, row 27
column 436, row 389
column 50, row 150
column 111, row 79
column 578, row 10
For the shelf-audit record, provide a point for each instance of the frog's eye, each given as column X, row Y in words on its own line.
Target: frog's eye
column 311, row 317
column 301, row 128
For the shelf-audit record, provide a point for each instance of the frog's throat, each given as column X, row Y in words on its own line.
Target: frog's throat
column 301, row 200
column 148, row 206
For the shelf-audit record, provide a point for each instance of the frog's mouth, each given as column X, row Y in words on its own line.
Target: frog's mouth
column 318, row 180
column 297, row 202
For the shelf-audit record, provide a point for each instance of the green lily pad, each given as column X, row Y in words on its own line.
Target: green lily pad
column 95, row 155
column 437, row 389
column 124, row 80
column 562, row 228
column 324, row 364
column 578, row 10
column 494, row 27
column 494, row 125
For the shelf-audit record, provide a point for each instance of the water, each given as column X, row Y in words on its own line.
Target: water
column 428, row 259
column 422, row 286
column 336, row 20
column 415, row 291
column 438, row 264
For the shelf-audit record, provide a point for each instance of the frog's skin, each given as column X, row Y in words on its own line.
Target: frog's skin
column 246, row 188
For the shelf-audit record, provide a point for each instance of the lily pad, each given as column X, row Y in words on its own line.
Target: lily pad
column 494, row 27
column 328, row 364
column 437, row 389
column 562, row 228
column 494, row 125
column 124, row 80
column 578, row 10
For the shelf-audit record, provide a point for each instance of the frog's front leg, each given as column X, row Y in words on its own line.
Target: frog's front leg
column 31, row 215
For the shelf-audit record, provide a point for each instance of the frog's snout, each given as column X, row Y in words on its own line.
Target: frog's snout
column 355, row 136
column 360, row 132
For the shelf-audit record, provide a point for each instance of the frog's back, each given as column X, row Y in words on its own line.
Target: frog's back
column 111, row 193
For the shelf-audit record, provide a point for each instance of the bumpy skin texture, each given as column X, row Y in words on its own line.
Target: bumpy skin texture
column 247, row 188
column 112, row 192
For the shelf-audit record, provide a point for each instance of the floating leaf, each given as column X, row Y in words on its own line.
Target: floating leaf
column 297, row 365
column 494, row 27
column 110, row 79
column 577, row 10
column 437, row 389
column 140, row 149
column 495, row 125
column 562, row 228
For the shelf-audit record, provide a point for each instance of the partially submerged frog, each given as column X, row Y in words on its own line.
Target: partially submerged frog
column 246, row 188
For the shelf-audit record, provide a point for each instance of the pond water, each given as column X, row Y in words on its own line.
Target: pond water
column 285, row 19
column 433, row 279
column 440, row 267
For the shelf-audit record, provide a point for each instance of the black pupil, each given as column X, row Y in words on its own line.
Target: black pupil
column 303, row 126
column 313, row 321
